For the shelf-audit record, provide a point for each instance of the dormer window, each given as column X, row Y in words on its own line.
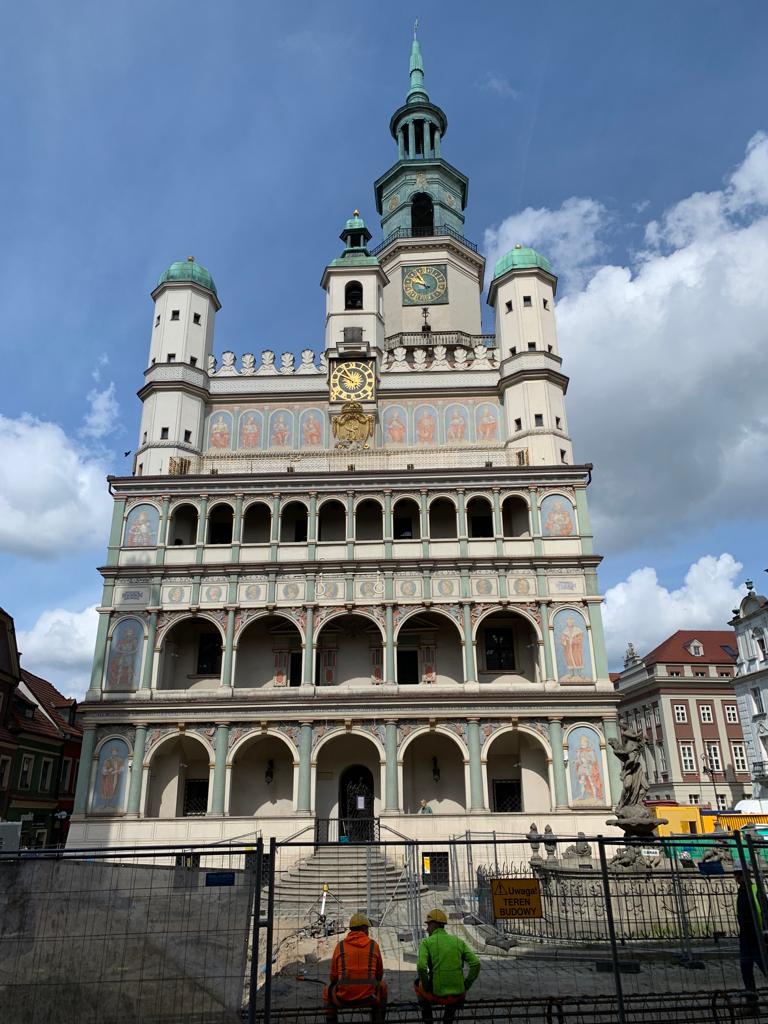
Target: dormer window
column 696, row 649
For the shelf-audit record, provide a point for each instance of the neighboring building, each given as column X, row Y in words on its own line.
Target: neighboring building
column 9, row 680
column 750, row 620
column 681, row 697
column 341, row 584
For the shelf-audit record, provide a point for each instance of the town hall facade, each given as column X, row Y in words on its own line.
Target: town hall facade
column 344, row 583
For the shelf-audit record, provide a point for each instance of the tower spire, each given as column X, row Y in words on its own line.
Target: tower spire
column 417, row 93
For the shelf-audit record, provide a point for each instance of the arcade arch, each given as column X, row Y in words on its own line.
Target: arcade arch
column 433, row 770
column 178, row 784
column 507, row 648
column 517, row 773
column 348, row 782
column 429, row 650
column 190, row 656
column 261, row 781
column 182, row 529
column 268, row 654
column 349, row 652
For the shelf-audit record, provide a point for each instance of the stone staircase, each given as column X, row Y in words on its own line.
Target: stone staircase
column 358, row 877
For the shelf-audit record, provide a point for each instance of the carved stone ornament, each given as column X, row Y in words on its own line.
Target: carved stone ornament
column 248, row 364
column 228, row 368
column 267, row 367
column 307, row 362
column 352, row 427
column 287, row 362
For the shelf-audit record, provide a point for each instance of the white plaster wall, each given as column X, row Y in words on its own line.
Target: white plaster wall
column 250, row 794
column 447, row 796
column 353, row 660
column 524, row 324
column 460, row 313
column 182, row 337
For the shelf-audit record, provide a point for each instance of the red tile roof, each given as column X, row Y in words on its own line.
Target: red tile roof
column 719, row 648
column 52, row 701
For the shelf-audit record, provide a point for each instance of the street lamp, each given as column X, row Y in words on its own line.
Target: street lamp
column 708, row 770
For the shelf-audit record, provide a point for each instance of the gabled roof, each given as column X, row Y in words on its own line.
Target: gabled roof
column 54, row 704
column 719, row 648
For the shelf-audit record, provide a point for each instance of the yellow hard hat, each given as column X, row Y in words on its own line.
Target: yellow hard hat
column 438, row 916
column 359, row 921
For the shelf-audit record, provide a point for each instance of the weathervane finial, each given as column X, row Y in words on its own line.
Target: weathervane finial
column 415, row 27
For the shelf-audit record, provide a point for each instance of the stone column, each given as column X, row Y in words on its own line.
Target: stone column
column 162, row 532
column 411, row 140
column 392, row 801
column 424, row 524
column 387, row 534
column 533, row 497
column 220, row 768
column 389, row 645
column 309, row 647
column 470, row 673
column 149, row 652
column 275, row 527
column 558, row 762
column 100, row 652
column 202, row 526
column 400, row 144
column 116, row 532
column 598, row 640
column 462, row 525
column 545, row 635
column 84, row 772
column 305, row 769
column 137, row 771
column 350, row 524
column 585, row 526
column 611, row 732
column 475, row 765
column 498, row 525
column 437, row 143
column 237, row 528
column 226, row 668
column 312, row 526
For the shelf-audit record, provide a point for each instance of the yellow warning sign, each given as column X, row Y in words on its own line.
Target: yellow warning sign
column 516, row 897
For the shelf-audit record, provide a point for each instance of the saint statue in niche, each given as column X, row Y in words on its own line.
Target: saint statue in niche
column 220, row 435
column 280, row 431
column 312, row 433
column 109, row 780
column 425, row 428
column 250, row 432
column 395, row 428
column 457, row 427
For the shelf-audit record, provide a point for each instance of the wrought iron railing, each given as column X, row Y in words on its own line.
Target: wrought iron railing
column 435, row 232
column 346, row 830
column 760, row 770
column 424, row 339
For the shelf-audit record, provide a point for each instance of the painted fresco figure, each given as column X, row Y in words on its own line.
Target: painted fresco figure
column 140, row 532
column 572, row 642
column 587, row 770
column 220, row 435
column 121, row 673
column 109, row 780
column 486, row 427
column 251, row 432
column 559, row 522
column 425, row 428
column 457, row 427
column 396, row 429
column 311, row 430
column 280, row 431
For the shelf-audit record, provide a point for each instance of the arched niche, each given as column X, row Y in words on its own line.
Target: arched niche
column 429, row 650
column 517, row 773
column 182, row 529
column 257, row 523
column 515, row 521
column 178, row 784
column 332, row 521
column 369, row 520
column 479, row 517
column 442, row 519
column 422, row 212
column 353, row 295
column 433, row 770
column 293, row 523
column 262, row 777
column 349, row 652
column 337, row 780
column 221, row 520
column 190, row 655
column 268, row 654
column 406, row 520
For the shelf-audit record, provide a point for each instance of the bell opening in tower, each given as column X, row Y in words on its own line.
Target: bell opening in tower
column 422, row 215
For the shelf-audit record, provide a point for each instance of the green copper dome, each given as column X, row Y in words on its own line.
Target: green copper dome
column 519, row 258
column 188, row 270
column 355, row 223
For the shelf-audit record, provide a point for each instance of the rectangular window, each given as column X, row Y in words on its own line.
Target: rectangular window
column 693, row 798
column 187, row 436
column 157, row 320
column 5, row 772
column 722, row 802
column 164, row 433
column 499, row 650
column 563, row 455
column 687, row 757
column 713, row 757
column 193, row 360
column 757, row 700
column 545, row 303
column 171, row 357
column 700, row 674
column 558, row 422
column 731, row 714
column 513, row 350
column 175, row 314
column 538, row 419
column 25, row 775
column 647, row 716
column 662, row 758
column 531, row 346
column 705, row 710
column 681, row 713
column 46, row 773
column 209, row 654
column 508, row 305
column 196, row 318
column 518, row 424
column 675, row 673
column 66, row 773
column 527, row 300
column 739, row 754
column 656, row 714
column 140, row 469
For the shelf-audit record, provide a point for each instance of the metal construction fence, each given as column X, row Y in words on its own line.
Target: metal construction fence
column 567, row 929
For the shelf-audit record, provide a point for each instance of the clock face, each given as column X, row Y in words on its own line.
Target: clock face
column 352, row 380
column 426, row 285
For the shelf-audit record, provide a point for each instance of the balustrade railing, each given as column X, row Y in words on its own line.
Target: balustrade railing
column 434, row 232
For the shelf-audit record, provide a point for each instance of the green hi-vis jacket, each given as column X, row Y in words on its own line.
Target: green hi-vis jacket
column 441, row 964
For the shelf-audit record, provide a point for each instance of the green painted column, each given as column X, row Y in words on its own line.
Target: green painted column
column 538, row 547
column 389, row 646
column 611, row 732
column 137, row 770
column 469, row 647
column 226, row 668
column 558, row 762
column 116, row 531
column 598, row 640
column 498, row 526
column 545, row 636
column 585, row 526
column 475, row 765
column 202, row 526
column 162, row 532
column 275, row 527
column 100, row 652
column 462, row 525
column 309, row 646
column 424, row 524
column 149, row 652
column 400, row 145
column 221, row 745
column 350, row 524
column 237, row 528
column 304, row 803
column 312, row 527
column 411, row 140
column 392, row 801
column 84, row 772
column 387, row 524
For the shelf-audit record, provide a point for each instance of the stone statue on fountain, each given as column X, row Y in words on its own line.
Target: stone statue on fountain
column 631, row 813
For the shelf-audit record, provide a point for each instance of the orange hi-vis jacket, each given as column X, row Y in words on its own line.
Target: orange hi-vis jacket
column 356, row 971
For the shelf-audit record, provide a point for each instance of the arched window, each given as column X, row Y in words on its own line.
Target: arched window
column 479, row 518
column 442, row 519
column 257, row 523
column 514, row 517
column 368, row 520
column 353, row 295
column 220, row 522
column 332, row 522
column 293, row 525
column 183, row 528
column 422, row 215
column 406, row 520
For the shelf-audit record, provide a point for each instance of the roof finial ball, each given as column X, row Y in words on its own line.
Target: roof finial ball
column 355, row 213
column 190, row 259
column 518, row 245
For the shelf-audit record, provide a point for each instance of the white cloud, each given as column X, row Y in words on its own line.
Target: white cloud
column 644, row 612
column 53, row 497
column 666, row 356
column 59, row 647
column 500, row 85
column 102, row 417
column 568, row 237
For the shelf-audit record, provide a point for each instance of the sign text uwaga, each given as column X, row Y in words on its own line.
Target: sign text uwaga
column 516, row 897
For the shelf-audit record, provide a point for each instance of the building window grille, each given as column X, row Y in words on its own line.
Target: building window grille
column 195, row 798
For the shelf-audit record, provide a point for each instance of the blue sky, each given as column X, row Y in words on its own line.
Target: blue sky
column 138, row 133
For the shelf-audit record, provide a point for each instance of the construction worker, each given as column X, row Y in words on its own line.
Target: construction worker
column 441, row 962
column 357, row 973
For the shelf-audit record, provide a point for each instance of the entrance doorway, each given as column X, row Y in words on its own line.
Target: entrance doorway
column 507, row 796
column 356, row 820
column 408, row 668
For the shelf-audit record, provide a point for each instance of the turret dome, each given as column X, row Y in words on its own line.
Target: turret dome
column 521, row 257
column 188, row 270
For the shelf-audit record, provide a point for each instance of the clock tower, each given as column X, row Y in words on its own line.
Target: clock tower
column 421, row 200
